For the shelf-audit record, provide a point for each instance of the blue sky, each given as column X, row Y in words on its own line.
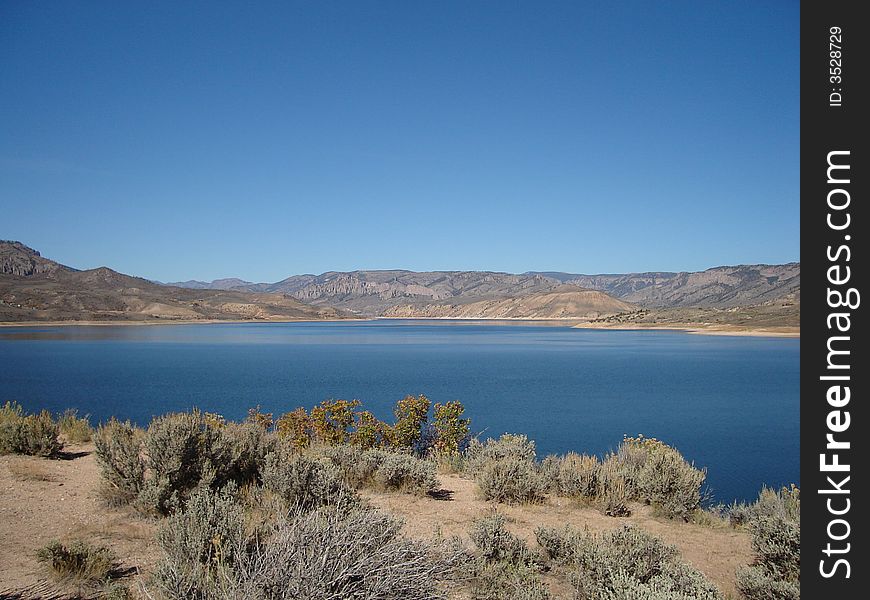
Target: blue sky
column 177, row 140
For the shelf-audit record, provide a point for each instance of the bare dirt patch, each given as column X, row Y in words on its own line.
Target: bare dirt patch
column 45, row 500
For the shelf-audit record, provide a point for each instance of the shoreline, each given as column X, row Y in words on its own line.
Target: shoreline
column 785, row 331
column 571, row 322
column 86, row 323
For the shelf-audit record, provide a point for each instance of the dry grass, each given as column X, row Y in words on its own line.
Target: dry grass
column 30, row 470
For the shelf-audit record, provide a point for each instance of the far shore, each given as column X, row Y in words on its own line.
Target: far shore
column 86, row 323
column 691, row 328
column 699, row 329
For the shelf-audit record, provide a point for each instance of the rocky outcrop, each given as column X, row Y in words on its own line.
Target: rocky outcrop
column 23, row 261
column 719, row 287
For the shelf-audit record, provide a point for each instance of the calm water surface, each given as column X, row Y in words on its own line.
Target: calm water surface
column 728, row 403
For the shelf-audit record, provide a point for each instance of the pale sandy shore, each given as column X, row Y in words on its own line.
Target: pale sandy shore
column 694, row 328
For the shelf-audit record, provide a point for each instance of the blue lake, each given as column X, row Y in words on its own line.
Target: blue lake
column 730, row 404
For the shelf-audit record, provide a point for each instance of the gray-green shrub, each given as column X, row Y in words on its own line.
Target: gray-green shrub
column 623, row 564
column 496, row 543
column 201, row 543
column 302, row 481
column 578, row 475
column 505, row 469
column 30, row 434
column 399, row 471
column 506, row 581
column 510, row 480
column 513, row 446
column 117, row 447
column 74, row 428
column 79, row 562
column 337, row 554
column 657, row 474
column 354, row 552
column 756, row 584
column 776, row 538
column 185, row 452
column 383, row 469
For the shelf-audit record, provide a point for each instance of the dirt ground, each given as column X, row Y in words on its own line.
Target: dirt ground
column 43, row 500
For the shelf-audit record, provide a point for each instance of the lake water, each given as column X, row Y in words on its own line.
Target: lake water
column 728, row 403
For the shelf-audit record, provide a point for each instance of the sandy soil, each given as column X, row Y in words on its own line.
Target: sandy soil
column 695, row 328
column 44, row 500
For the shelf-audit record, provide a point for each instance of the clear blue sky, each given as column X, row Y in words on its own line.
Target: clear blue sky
column 177, row 140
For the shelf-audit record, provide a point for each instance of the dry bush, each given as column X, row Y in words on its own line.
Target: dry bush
column 510, row 480
column 33, row 435
column 613, row 495
column 118, row 452
column 496, row 543
column 506, row 581
column 776, row 539
column 302, row 481
column 336, row 554
column 79, row 562
column 505, row 469
column 625, row 563
column 578, row 476
column 657, row 474
column 75, row 429
column 340, row 551
column 383, row 469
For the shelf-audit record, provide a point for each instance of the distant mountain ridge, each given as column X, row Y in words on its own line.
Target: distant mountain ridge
column 33, row 288
column 381, row 292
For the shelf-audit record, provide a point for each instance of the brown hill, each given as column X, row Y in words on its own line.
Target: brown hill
column 33, row 288
column 563, row 302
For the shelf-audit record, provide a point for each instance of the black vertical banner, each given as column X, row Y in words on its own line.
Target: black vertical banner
column 834, row 222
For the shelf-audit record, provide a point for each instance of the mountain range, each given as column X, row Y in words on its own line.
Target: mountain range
column 374, row 293
column 34, row 288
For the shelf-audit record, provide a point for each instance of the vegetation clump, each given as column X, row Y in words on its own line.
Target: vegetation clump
column 384, row 469
column 30, row 434
column 506, row 567
column 657, row 474
column 774, row 521
column 117, row 447
column 302, row 481
column 75, row 429
column 79, row 563
column 505, row 469
column 344, row 550
column 451, row 430
column 624, row 563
